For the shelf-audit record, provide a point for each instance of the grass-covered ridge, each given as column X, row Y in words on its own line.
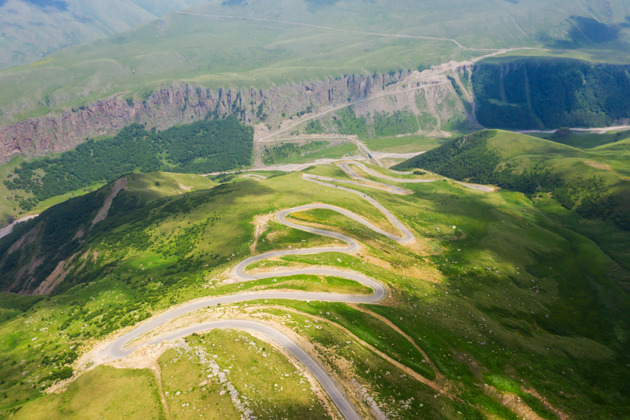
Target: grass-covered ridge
column 580, row 180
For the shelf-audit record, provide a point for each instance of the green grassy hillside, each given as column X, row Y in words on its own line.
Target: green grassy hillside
column 590, row 182
column 502, row 290
column 263, row 43
column 583, row 140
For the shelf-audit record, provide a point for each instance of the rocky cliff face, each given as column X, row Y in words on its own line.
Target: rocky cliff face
column 178, row 104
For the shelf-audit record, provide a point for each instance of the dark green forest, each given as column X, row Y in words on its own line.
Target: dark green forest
column 469, row 159
column 204, row 146
column 530, row 93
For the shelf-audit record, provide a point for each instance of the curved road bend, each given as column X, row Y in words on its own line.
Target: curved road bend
column 328, row 383
column 406, row 237
column 346, row 167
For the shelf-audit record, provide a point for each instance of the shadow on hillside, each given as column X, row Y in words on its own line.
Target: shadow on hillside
column 588, row 32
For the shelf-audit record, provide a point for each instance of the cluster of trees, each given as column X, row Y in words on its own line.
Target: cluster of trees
column 314, row 127
column 550, row 93
column 348, row 123
column 469, row 159
column 401, row 122
column 204, row 146
column 463, row 158
column 277, row 153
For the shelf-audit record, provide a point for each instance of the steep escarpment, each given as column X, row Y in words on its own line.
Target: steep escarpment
column 182, row 103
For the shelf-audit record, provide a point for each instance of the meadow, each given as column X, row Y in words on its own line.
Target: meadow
column 493, row 294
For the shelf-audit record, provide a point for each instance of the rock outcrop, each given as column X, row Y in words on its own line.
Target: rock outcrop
column 182, row 103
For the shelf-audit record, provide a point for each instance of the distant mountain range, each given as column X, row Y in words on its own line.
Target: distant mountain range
column 32, row 29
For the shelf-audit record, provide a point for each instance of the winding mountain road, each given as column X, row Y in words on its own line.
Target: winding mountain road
column 123, row 345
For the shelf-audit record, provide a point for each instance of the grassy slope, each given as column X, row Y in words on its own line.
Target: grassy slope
column 616, row 155
column 587, row 140
column 608, row 162
column 307, row 153
column 509, row 286
column 170, row 184
column 524, row 152
column 402, row 144
column 611, row 149
column 156, row 185
column 105, row 392
column 605, row 162
column 222, row 52
column 265, row 380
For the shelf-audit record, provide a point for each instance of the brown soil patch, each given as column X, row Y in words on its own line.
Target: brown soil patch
column 427, row 273
column 157, row 371
column 26, row 239
column 184, row 187
column 27, row 271
column 56, row 277
column 117, row 186
column 599, row 165
column 260, row 223
column 561, row 415
column 513, row 402
column 80, row 234
column 471, row 362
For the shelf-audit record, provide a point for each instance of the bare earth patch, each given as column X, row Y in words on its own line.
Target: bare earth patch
column 599, row 165
column 260, row 223
column 117, row 186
